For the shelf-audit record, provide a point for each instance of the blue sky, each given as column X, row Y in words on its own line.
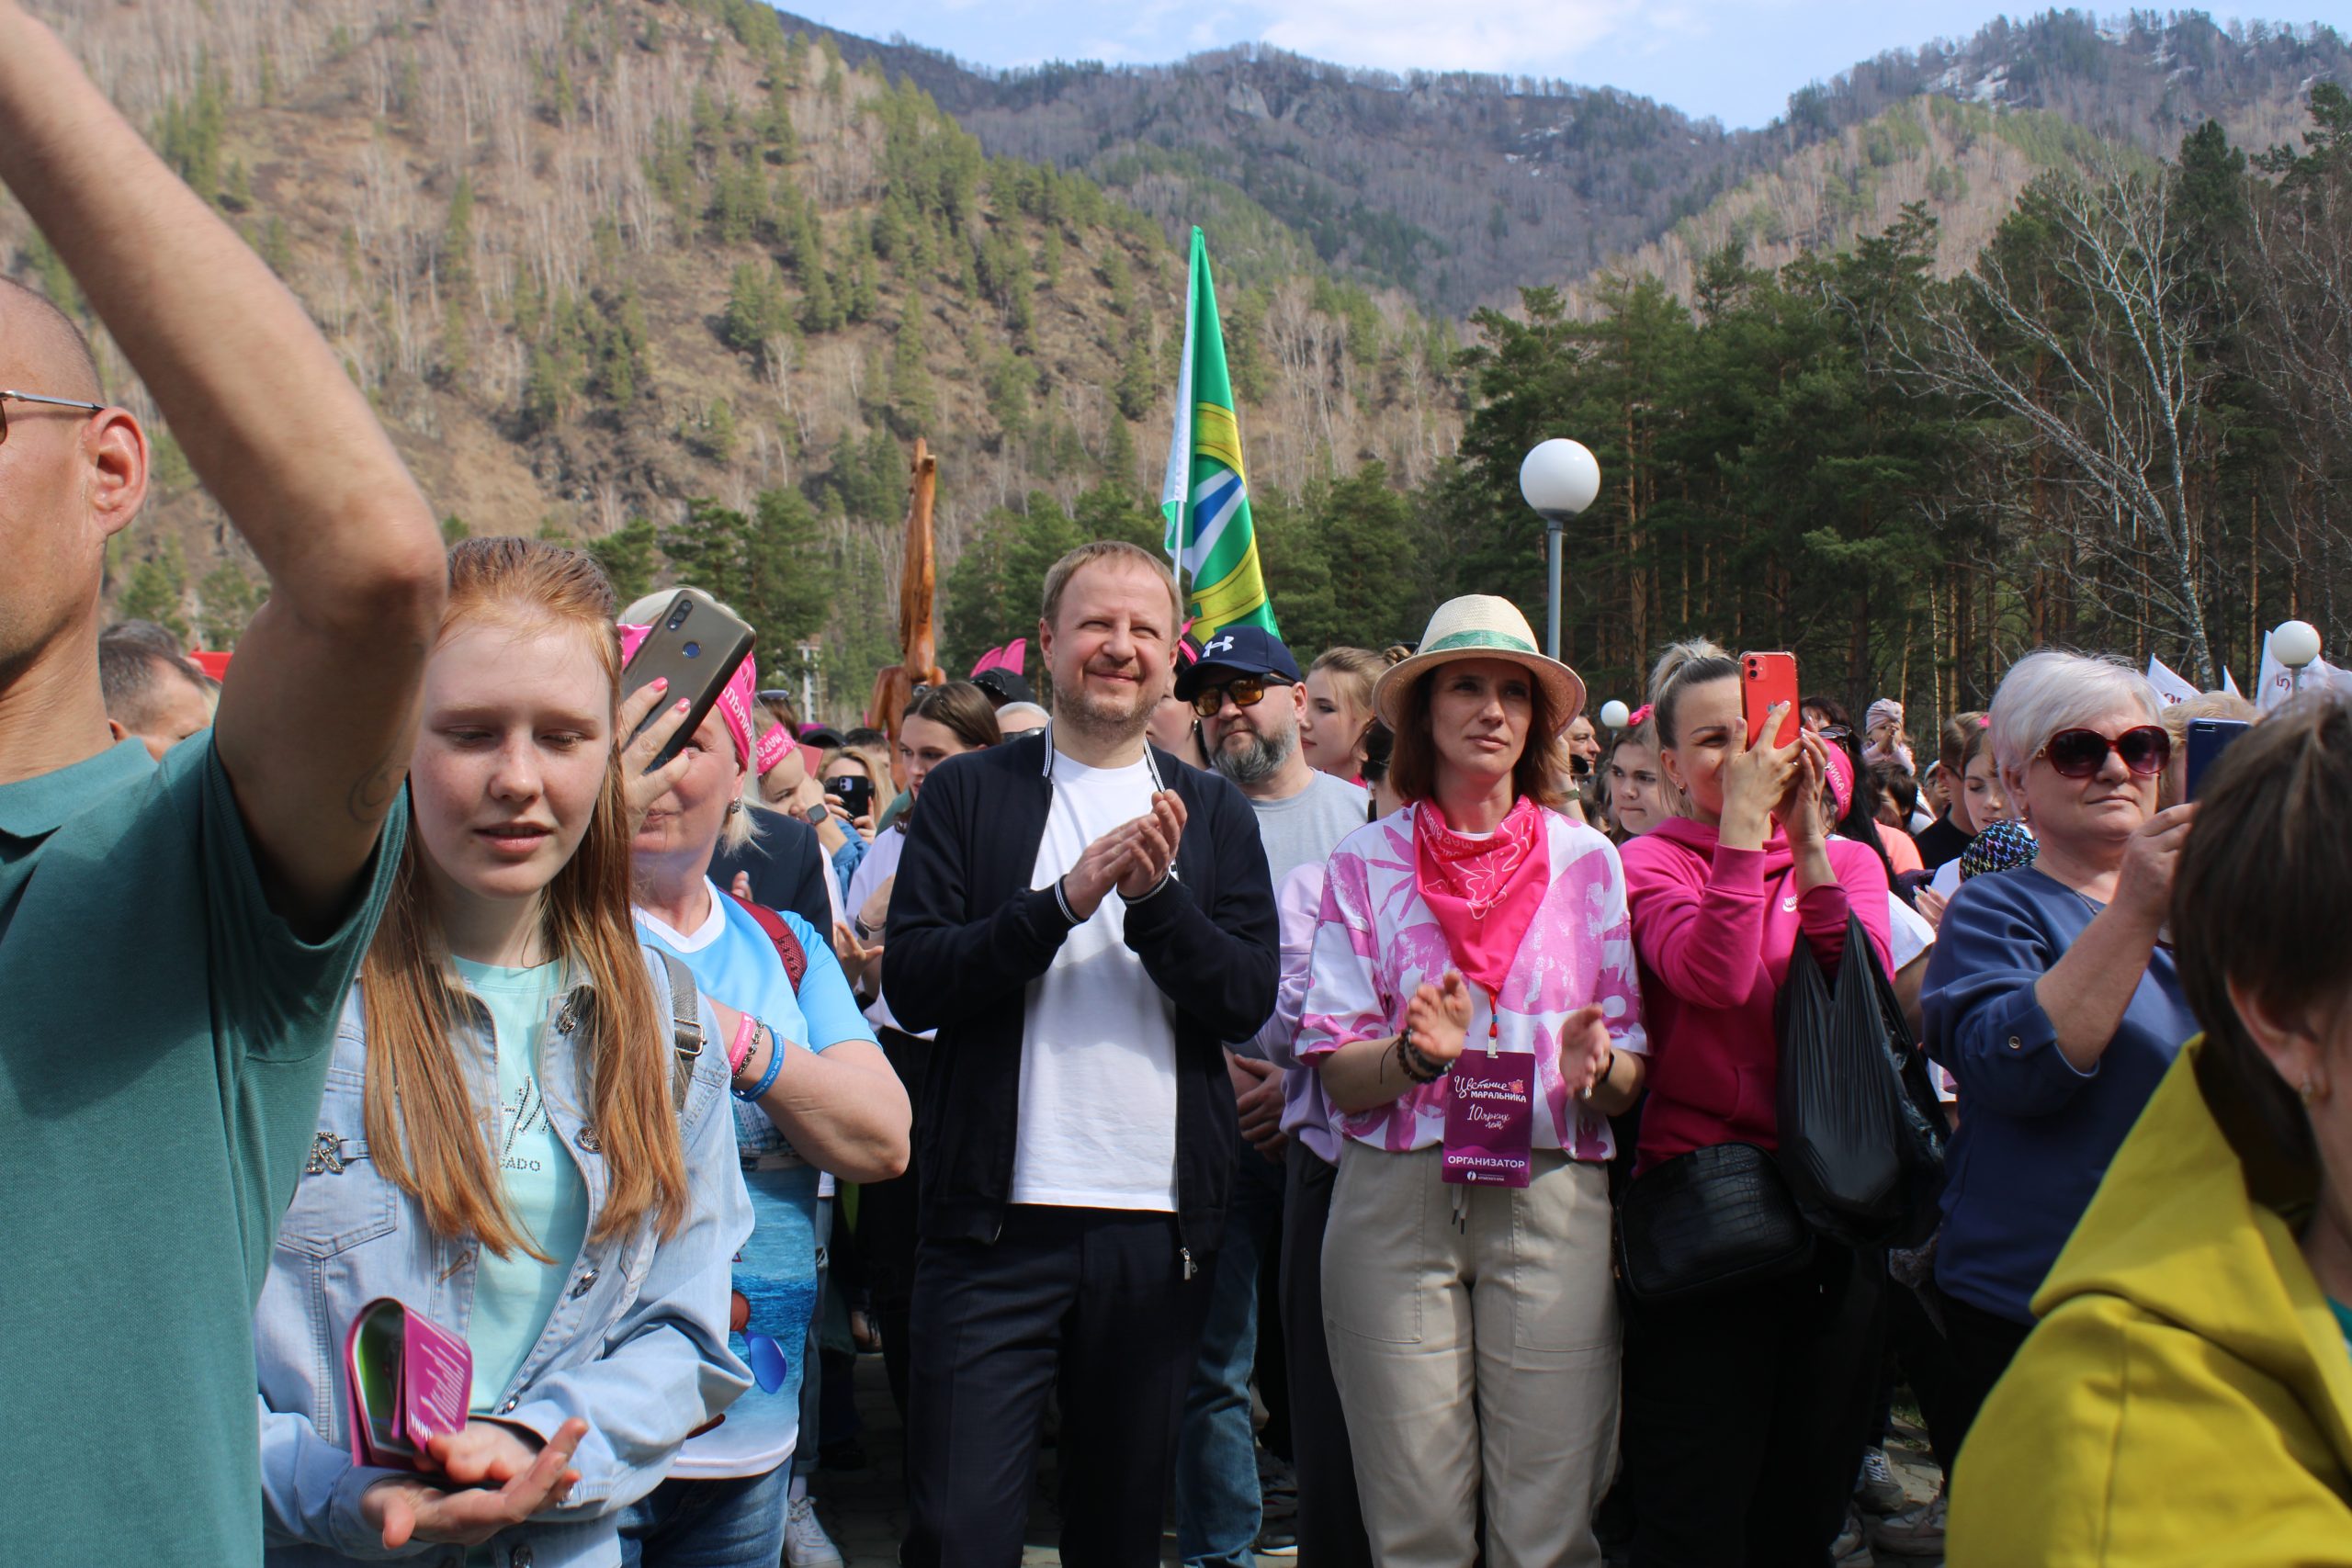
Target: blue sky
column 1737, row 59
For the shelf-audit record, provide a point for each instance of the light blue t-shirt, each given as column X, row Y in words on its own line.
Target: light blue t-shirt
column 514, row 1295
column 775, row 1274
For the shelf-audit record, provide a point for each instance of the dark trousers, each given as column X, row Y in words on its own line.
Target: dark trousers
column 1920, row 1350
column 1746, row 1413
column 1983, row 1346
column 1089, row 1304
column 1330, row 1523
column 886, row 1224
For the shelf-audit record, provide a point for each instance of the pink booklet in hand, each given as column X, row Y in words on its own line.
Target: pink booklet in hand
column 407, row 1379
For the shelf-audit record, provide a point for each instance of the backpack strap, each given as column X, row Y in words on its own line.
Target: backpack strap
column 686, row 1023
column 787, row 946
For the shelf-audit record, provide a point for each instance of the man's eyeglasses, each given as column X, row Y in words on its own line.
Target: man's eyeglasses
column 7, row 397
column 1247, row 691
column 2080, row 753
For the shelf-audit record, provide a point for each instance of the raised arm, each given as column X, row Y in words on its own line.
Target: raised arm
column 319, row 711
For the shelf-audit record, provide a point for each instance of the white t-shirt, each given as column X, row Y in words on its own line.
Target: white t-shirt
column 1098, row 1054
column 1908, row 934
column 881, row 861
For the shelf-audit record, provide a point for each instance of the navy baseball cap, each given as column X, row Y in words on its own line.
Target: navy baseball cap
column 1236, row 651
column 1004, row 686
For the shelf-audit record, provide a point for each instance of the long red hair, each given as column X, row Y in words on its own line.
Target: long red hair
column 424, row 1129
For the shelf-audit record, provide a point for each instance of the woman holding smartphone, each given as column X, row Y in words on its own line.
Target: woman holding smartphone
column 1766, row 1386
column 818, row 1099
column 514, row 1140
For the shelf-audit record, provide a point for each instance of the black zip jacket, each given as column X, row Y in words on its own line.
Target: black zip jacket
column 966, row 934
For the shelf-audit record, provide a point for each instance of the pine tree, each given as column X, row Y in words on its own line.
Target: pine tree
column 158, row 589
column 910, row 396
column 457, row 234
column 226, row 600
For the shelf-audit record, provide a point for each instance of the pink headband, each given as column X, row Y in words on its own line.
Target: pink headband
column 735, row 699
column 1839, row 770
column 1640, row 715
column 772, row 748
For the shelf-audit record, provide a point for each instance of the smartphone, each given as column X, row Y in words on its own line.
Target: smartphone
column 696, row 646
column 855, row 793
column 2207, row 739
column 1766, row 679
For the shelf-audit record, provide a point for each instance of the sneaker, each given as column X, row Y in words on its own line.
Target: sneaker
column 806, row 1544
column 1850, row 1549
column 1919, row 1533
column 1276, row 1540
column 1875, row 1489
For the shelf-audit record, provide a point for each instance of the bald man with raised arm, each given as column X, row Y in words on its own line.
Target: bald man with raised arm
column 176, row 935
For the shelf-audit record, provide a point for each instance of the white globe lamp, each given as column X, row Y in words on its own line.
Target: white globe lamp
column 1559, row 479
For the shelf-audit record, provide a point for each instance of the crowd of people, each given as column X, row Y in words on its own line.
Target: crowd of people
column 1343, row 1106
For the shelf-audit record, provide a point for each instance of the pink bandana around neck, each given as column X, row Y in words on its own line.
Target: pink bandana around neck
column 1484, row 892
column 735, row 699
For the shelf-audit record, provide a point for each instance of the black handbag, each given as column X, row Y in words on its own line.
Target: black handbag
column 1705, row 1222
column 1864, row 1163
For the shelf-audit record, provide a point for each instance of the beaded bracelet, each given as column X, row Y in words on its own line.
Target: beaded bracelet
column 775, row 1063
column 746, row 1031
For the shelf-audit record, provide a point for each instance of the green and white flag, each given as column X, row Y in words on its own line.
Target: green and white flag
column 1205, row 496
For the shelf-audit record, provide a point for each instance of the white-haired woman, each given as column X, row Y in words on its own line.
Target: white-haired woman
column 2053, row 996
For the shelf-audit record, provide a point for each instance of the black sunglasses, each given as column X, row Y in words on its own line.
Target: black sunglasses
column 7, row 397
column 1247, row 691
column 2081, row 754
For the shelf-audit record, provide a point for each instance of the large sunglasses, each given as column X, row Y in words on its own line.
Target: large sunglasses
column 2081, row 754
column 1247, row 691
column 7, row 397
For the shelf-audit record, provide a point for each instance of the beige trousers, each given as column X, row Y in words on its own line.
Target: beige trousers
column 1473, row 1358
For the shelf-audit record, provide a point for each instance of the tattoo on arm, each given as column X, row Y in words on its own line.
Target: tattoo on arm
column 372, row 793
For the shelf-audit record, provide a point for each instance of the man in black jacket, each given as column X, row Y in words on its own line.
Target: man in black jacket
column 1085, row 920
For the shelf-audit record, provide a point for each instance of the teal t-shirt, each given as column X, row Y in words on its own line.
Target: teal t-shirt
column 165, row 1037
column 514, row 1295
column 2342, row 1320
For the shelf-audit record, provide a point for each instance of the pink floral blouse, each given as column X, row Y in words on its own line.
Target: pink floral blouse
column 1378, row 941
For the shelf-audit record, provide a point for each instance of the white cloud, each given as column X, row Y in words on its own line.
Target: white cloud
column 1533, row 36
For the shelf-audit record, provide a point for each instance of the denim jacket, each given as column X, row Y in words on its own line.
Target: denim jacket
column 637, row 1345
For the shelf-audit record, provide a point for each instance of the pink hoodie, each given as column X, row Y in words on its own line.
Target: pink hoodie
column 1714, row 928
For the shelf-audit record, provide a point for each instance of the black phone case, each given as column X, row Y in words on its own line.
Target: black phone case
column 695, row 647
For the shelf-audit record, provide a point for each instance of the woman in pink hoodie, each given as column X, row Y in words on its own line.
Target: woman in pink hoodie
column 1763, row 1389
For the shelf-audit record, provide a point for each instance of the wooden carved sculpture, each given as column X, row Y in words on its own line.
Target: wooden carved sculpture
column 918, row 640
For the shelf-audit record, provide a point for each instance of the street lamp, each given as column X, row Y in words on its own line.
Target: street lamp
column 2295, row 644
column 1559, row 479
column 1614, row 714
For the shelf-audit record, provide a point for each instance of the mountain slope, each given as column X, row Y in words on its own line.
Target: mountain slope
column 1462, row 187
column 593, row 260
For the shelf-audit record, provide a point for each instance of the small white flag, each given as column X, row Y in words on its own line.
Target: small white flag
column 2170, row 684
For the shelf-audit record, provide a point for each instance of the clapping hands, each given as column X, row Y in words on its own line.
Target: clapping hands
column 1134, row 857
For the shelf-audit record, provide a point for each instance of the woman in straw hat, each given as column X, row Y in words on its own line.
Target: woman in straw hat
column 1475, row 1016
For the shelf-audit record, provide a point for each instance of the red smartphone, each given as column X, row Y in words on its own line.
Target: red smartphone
column 1766, row 679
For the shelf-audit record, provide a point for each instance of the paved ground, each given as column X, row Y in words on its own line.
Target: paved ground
column 865, row 1510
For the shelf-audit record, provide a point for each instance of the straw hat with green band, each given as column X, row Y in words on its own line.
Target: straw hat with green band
column 1479, row 626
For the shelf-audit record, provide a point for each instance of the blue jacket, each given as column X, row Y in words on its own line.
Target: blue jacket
column 2035, row 1135
column 637, row 1347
